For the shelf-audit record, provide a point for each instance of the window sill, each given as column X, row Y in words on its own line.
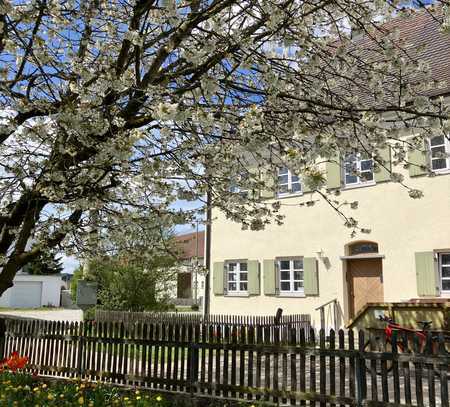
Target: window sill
column 237, row 295
column 354, row 186
column 288, row 195
column 442, row 172
column 291, row 295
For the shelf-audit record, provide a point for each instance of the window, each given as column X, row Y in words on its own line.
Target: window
column 444, row 271
column 291, row 275
column 358, row 169
column 237, row 277
column 363, row 247
column 440, row 148
column 288, row 183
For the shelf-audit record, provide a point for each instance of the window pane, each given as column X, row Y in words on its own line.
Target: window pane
column 446, row 271
column 436, row 141
column 367, row 176
column 438, row 152
column 232, row 277
column 283, row 179
column 294, row 178
column 298, row 286
column 296, row 187
column 243, row 287
column 231, row 286
column 351, row 179
column 243, row 266
column 283, row 170
column 284, row 275
column 446, row 285
column 366, row 165
column 350, row 167
column 231, row 266
column 282, row 189
column 243, row 277
column 298, row 275
column 285, row 286
column 445, row 258
column 439, row 164
column 284, row 265
column 298, row 264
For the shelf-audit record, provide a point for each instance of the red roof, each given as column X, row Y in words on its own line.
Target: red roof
column 187, row 244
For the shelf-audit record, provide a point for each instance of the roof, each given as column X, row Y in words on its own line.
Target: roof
column 187, row 245
column 419, row 34
column 422, row 29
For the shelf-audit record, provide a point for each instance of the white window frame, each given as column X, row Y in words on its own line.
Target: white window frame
column 441, row 265
column 290, row 183
column 237, row 273
column 359, row 179
column 446, row 146
column 292, row 280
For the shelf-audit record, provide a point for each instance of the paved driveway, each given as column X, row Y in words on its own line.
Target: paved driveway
column 57, row 314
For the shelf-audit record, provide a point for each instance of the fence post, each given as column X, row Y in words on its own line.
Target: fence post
column 2, row 337
column 361, row 385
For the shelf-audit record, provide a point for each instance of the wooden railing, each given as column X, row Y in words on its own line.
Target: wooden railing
column 333, row 305
column 241, row 363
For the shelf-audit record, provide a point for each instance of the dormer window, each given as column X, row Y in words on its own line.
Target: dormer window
column 358, row 169
column 288, row 182
column 440, row 150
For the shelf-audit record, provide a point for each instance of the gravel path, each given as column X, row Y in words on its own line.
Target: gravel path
column 56, row 314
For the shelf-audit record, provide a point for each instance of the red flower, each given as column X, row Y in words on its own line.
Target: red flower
column 14, row 362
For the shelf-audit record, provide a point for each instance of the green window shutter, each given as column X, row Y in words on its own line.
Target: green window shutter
column 384, row 172
column 268, row 177
column 304, row 182
column 334, row 172
column 218, row 278
column 427, row 284
column 310, row 276
column 270, row 277
column 253, row 277
column 418, row 159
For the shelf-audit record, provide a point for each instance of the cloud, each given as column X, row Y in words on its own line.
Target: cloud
column 70, row 263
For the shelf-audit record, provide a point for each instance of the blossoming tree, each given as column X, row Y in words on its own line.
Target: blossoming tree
column 109, row 105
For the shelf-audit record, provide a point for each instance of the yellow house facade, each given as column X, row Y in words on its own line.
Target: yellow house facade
column 407, row 251
column 312, row 258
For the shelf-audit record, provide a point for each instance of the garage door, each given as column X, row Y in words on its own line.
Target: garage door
column 26, row 294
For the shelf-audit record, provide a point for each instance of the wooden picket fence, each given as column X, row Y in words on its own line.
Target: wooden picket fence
column 243, row 363
column 219, row 322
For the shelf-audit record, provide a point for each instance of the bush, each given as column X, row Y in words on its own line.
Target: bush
column 89, row 314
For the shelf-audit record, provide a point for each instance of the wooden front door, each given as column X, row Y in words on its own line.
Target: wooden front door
column 365, row 283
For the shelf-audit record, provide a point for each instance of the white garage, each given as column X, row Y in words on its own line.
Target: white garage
column 31, row 291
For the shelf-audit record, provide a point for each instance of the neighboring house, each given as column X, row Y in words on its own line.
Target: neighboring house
column 311, row 259
column 33, row 291
column 190, row 275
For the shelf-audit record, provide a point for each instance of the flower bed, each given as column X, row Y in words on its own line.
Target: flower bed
column 18, row 388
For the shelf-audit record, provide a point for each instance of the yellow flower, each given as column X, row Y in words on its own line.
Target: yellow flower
column 138, row 397
column 50, row 396
column 36, row 389
column 81, row 400
column 158, row 398
column 44, row 386
column 61, row 396
column 126, row 398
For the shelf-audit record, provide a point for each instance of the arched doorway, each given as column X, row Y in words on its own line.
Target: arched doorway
column 364, row 275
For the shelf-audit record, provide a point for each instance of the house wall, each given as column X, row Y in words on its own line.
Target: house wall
column 399, row 224
column 51, row 290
